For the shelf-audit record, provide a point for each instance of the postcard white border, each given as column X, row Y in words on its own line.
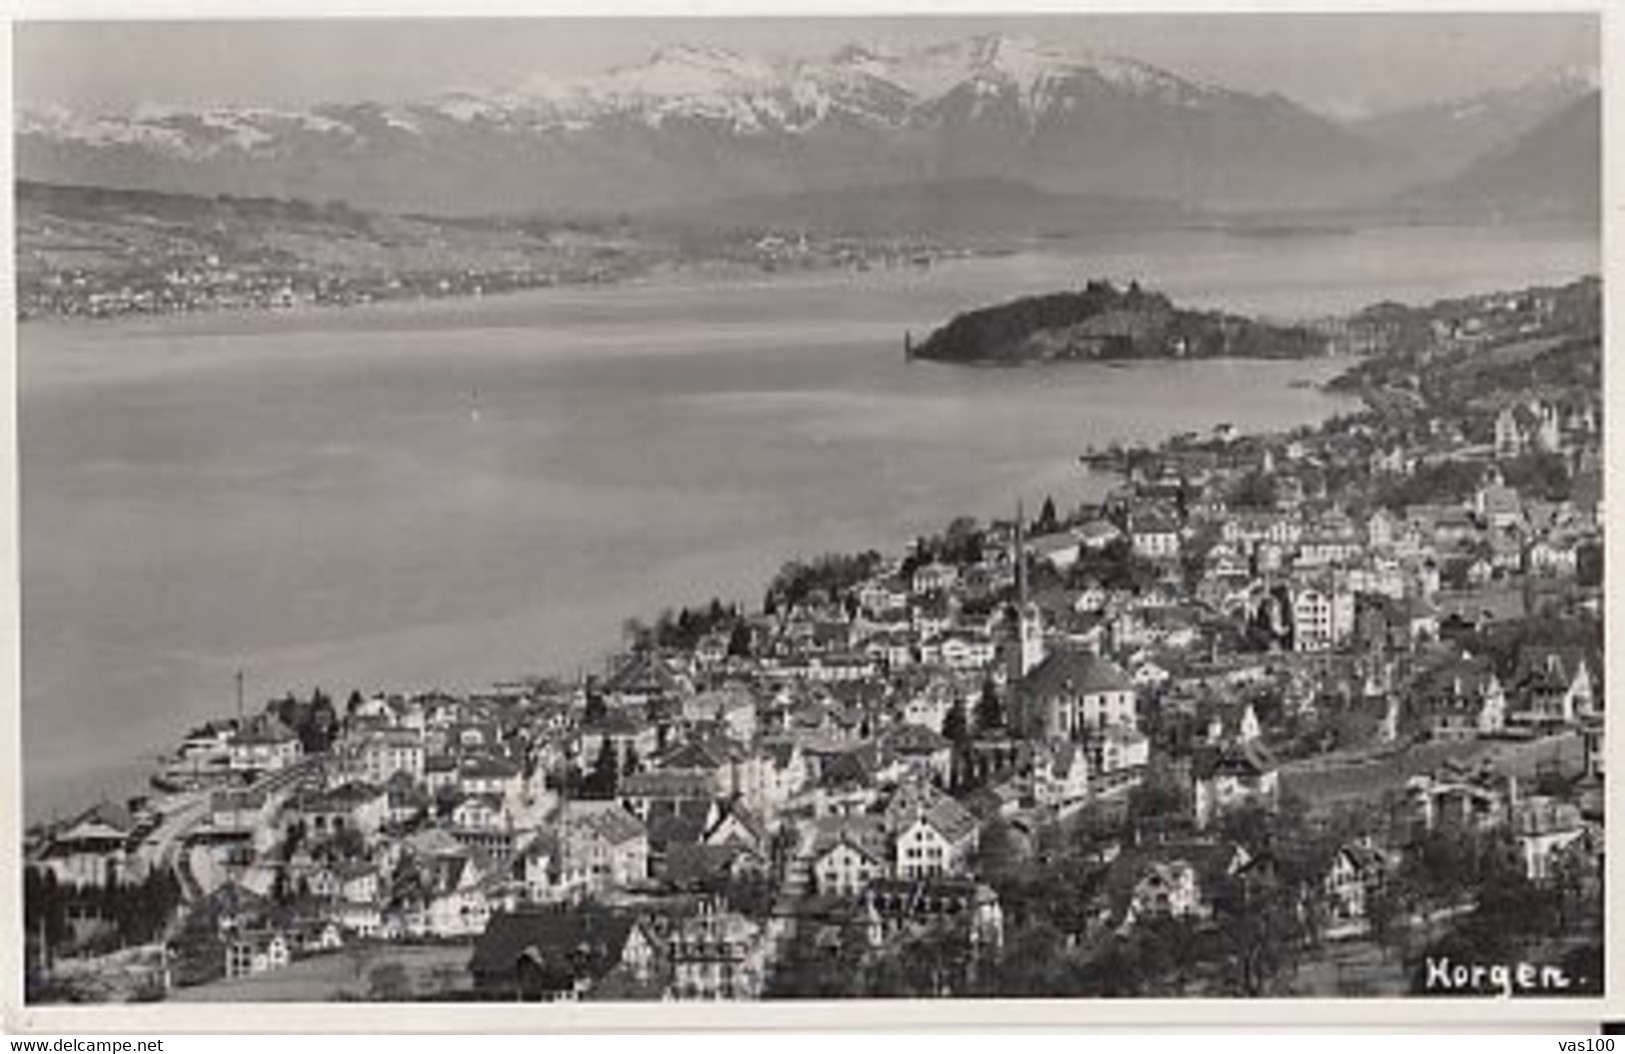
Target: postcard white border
column 856, row 1015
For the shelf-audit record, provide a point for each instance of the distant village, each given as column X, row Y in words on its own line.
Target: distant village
column 189, row 284
column 87, row 253
column 1294, row 714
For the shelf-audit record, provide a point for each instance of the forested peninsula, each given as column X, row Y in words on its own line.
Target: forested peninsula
column 1104, row 322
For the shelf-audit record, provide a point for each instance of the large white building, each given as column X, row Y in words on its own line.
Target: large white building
column 1322, row 617
column 1075, row 694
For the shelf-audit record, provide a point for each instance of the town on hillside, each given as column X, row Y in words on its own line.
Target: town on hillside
column 1305, row 714
column 92, row 253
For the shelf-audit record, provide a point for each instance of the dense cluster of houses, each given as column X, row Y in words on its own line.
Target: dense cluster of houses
column 667, row 829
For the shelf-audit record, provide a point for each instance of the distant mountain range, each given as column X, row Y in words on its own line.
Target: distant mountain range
column 1554, row 169
column 693, row 125
column 1443, row 138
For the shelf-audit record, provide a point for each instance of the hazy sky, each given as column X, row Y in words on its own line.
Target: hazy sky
column 1334, row 62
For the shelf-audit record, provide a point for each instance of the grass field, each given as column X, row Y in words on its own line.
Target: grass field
column 1328, row 780
column 1351, row 968
column 341, row 974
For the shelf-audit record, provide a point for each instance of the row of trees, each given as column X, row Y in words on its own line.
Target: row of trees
column 685, row 628
column 826, row 578
column 134, row 913
column 602, row 781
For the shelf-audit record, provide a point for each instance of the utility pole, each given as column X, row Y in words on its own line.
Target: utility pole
column 236, row 800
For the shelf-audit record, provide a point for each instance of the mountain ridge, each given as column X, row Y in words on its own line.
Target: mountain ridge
column 1554, row 170
column 701, row 124
column 1446, row 136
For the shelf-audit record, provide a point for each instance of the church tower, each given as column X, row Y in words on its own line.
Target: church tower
column 1028, row 651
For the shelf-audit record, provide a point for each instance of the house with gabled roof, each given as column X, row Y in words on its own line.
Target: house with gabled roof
column 1230, row 776
column 481, row 812
column 604, row 842
column 265, row 744
column 644, row 678
column 641, row 792
column 1059, row 775
column 1457, row 697
column 1457, row 799
column 1552, row 686
column 931, row 833
column 357, row 806
column 559, row 952
column 1118, row 755
column 1358, row 872
column 670, row 824
column 919, row 749
column 1233, row 724
column 1169, row 880
column 731, row 709
column 738, row 825
column 1543, row 827
column 490, row 774
column 627, row 730
column 849, row 852
column 777, row 773
column 538, row 866
column 92, row 849
column 255, row 952
column 386, row 752
column 1154, row 535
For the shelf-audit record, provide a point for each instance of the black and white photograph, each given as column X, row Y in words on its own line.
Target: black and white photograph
column 1096, row 506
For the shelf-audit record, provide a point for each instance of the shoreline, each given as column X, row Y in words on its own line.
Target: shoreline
column 594, row 656
column 749, row 275
column 601, row 650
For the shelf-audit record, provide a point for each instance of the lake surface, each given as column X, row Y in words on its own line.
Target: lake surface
column 446, row 494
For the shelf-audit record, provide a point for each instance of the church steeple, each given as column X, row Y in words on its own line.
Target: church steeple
column 1020, row 556
column 1029, row 643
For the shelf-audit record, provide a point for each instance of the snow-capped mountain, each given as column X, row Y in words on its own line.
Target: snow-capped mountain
column 1444, row 137
column 701, row 123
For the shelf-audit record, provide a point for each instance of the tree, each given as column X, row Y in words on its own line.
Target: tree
column 813, row 970
column 1254, row 491
column 998, row 852
column 1158, row 800
column 353, row 706
column 1258, row 933
column 739, row 641
column 348, row 844
column 596, row 707
column 956, row 726
column 323, row 723
column 1387, row 915
column 44, row 899
column 1046, row 517
column 605, row 777
column 989, row 709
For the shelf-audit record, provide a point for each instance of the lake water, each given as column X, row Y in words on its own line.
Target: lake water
column 446, row 494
